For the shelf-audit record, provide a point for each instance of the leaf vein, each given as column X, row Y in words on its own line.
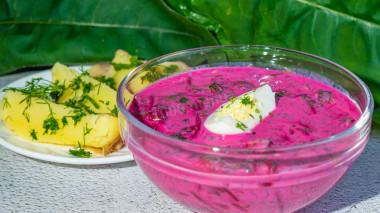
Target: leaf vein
column 84, row 24
column 339, row 13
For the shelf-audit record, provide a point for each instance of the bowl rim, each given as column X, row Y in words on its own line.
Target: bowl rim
column 359, row 124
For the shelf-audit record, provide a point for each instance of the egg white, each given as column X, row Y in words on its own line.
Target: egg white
column 235, row 117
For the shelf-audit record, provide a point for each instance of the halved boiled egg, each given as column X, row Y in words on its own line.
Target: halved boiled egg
column 243, row 113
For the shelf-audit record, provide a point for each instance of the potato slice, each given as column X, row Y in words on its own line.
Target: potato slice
column 47, row 122
column 82, row 90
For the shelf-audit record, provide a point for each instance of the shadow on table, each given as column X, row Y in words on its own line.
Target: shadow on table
column 359, row 184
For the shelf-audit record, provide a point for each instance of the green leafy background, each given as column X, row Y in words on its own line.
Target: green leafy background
column 41, row 32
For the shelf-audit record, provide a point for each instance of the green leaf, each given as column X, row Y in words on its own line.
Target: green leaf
column 345, row 32
column 42, row 32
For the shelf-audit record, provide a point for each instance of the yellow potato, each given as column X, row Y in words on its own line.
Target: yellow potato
column 47, row 122
column 82, row 90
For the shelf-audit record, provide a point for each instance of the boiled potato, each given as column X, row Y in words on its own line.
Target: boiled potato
column 47, row 122
column 83, row 91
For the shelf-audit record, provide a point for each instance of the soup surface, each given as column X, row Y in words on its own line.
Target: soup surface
column 306, row 110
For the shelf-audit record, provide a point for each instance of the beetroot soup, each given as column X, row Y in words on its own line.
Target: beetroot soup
column 306, row 110
column 240, row 172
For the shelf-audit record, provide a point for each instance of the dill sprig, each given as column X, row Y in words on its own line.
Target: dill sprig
column 246, row 100
column 108, row 81
column 241, row 126
column 79, row 151
column 40, row 88
column 134, row 62
column 6, row 103
column 33, row 134
column 217, row 88
column 153, row 74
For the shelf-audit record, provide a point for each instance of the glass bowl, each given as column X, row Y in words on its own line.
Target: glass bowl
column 216, row 179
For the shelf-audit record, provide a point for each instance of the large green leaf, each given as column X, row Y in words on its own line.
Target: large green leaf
column 346, row 32
column 41, row 32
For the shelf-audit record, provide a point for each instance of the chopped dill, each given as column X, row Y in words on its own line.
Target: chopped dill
column 107, row 81
column 241, row 126
column 26, row 115
column 76, row 83
column 151, row 76
column 183, row 100
column 134, row 63
column 83, row 71
column 201, row 99
column 79, row 152
column 91, row 100
column 179, row 136
column 6, row 103
column 114, row 111
column 51, row 124
column 246, row 100
column 105, row 102
column 33, row 134
column 64, row 121
column 40, row 88
column 86, row 131
column 217, row 88
column 172, row 97
column 87, row 87
column 77, row 117
column 8, row 117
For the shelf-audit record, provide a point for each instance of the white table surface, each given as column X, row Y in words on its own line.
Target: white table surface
column 29, row 185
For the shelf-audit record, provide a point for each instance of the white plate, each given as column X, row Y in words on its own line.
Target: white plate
column 51, row 152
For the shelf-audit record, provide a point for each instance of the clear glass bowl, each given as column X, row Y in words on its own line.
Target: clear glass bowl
column 215, row 179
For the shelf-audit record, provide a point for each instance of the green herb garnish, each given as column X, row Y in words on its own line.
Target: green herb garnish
column 215, row 87
column 172, row 97
column 64, row 121
column 152, row 76
column 104, row 102
column 79, row 152
column 33, row 134
column 114, row 111
column 183, row 100
column 51, row 124
column 246, row 100
column 40, row 88
column 108, row 81
column 87, row 87
column 78, row 115
column 134, row 63
column 201, row 99
column 6, row 103
column 241, row 126
column 83, row 71
column 179, row 136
